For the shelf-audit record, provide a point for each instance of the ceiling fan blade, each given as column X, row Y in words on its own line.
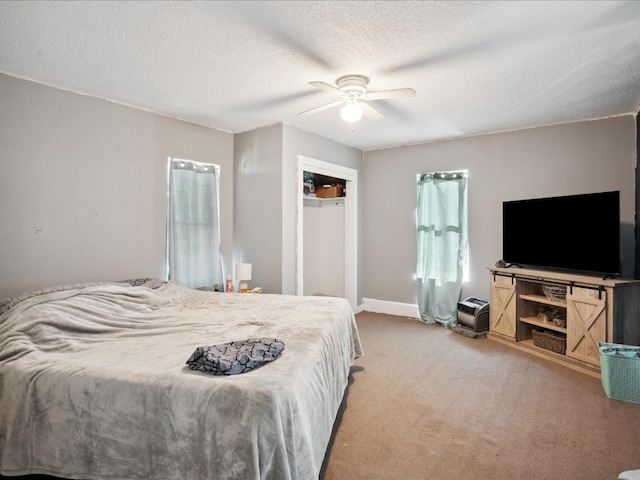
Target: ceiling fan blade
column 396, row 93
column 370, row 112
column 321, row 108
column 327, row 87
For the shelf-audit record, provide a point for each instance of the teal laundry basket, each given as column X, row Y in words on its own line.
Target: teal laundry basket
column 620, row 371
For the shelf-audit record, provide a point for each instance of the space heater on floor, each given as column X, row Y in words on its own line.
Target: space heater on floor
column 473, row 313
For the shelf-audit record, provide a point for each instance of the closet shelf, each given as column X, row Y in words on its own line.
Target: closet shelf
column 322, row 202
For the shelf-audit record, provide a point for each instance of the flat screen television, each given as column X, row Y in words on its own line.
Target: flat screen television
column 578, row 233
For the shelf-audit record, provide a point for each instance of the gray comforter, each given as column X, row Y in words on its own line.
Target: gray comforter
column 94, row 385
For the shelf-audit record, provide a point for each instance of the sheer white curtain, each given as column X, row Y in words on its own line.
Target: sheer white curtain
column 193, row 225
column 442, row 244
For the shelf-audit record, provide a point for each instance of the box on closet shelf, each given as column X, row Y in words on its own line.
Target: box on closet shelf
column 330, row 192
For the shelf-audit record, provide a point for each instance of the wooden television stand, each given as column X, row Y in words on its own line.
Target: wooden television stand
column 596, row 310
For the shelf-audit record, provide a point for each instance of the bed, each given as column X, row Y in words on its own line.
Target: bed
column 94, row 383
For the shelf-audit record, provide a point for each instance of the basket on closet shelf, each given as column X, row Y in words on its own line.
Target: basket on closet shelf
column 555, row 293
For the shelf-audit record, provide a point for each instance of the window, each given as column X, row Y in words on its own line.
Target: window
column 442, row 244
column 193, row 224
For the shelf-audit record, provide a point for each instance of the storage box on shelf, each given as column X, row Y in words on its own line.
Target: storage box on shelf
column 330, row 192
column 586, row 310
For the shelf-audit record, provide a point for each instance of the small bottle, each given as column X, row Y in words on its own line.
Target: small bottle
column 229, row 285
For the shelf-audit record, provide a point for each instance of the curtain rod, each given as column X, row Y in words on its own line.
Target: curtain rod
column 443, row 175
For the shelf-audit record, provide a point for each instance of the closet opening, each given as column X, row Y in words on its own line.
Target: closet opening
column 324, row 237
column 326, row 233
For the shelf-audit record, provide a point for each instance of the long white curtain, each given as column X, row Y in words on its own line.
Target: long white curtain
column 442, row 244
column 193, row 226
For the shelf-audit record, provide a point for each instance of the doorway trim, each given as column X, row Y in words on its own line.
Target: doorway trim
column 350, row 176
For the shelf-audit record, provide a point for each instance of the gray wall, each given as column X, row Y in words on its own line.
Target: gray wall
column 83, row 190
column 258, row 205
column 83, row 186
column 580, row 157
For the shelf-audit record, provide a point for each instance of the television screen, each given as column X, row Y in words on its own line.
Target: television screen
column 574, row 232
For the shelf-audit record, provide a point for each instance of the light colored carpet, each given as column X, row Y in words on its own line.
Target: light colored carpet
column 427, row 403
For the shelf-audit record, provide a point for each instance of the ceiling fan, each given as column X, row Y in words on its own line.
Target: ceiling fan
column 352, row 90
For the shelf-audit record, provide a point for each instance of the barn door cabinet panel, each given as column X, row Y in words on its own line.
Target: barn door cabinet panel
column 502, row 314
column 561, row 316
column 586, row 308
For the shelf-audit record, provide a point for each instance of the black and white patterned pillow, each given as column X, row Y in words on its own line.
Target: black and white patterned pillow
column 235, row 357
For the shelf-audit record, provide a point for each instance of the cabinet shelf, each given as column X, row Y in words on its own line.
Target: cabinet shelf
column 530, row 345
column 543, row 299
column 539, row 323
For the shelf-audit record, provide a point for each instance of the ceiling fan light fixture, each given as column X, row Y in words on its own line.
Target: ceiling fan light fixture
column 353, row 95
column 351, row 112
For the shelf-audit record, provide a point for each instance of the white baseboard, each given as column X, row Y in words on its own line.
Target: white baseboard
column 390, row 308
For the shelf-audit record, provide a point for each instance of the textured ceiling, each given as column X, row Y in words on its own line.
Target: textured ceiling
column 477, row 67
